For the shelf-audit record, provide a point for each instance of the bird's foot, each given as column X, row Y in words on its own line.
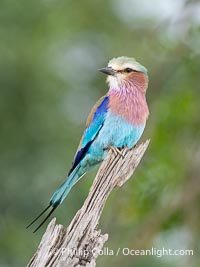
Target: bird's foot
column 116, row 150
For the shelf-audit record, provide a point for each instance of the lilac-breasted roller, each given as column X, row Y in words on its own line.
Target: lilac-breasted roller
column 117, row 120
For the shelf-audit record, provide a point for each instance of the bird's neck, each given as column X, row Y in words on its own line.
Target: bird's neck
column 129, row 102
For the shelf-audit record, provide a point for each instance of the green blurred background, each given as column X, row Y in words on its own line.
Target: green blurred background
column 50, row 51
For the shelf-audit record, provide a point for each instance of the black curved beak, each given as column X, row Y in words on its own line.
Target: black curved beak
column 108, row 71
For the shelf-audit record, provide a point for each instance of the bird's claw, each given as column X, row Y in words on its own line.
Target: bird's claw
column 116, row 150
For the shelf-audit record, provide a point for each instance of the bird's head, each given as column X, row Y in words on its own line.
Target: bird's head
column 125, row 72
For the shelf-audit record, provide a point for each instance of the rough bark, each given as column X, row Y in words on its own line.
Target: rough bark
column 78, row 245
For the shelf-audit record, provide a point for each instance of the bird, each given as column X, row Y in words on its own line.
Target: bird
column 117, row 120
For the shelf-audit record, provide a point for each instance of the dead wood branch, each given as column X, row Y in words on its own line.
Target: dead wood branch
column 78, row 245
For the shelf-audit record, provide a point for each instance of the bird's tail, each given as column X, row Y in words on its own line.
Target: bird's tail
column 58, row 196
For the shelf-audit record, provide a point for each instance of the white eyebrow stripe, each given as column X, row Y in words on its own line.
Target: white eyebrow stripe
column 122, row 67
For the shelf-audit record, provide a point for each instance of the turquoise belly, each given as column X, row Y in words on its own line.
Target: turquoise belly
column 115, row 132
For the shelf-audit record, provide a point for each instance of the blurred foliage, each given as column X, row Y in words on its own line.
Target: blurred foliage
column 50, row 51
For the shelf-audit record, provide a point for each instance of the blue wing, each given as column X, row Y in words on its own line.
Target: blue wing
column 94, row 124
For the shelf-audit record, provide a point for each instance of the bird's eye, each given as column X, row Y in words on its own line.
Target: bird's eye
column 128, row 70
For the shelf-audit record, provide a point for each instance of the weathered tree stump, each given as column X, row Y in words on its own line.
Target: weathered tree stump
column 78, row 245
